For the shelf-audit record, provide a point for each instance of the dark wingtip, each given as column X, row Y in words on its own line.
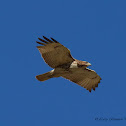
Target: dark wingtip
column 54, row 40
column 47, row 39
column 44, row 37
column 96, row 85
column 43, row 40
column 40, row 43
column 90, row 91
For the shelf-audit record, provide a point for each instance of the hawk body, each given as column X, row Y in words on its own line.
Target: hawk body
column 58, row 57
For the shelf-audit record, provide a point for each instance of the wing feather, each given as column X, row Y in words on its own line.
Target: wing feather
column 54, row 53
column 86, row 78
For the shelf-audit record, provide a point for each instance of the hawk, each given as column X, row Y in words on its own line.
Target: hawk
column 59, row 57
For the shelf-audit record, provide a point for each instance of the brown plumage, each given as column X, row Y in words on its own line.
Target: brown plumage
column 58, row 57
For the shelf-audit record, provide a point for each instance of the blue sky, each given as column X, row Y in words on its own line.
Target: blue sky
column 94, row 30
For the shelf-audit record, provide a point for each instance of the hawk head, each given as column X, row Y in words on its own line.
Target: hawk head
column 78, row 63
column 85, row 63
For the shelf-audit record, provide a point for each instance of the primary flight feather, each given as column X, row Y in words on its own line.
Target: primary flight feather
column 58, row 57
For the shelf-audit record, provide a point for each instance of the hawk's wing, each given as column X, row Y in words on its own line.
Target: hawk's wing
column 86, row 78
column 54, row 53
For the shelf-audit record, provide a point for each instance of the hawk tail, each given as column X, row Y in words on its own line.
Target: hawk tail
column 44, row 77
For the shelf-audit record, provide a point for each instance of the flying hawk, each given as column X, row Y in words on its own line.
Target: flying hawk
column 58, row 57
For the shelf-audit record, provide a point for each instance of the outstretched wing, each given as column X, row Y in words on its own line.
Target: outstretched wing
column 54, row 53
column 86, row 78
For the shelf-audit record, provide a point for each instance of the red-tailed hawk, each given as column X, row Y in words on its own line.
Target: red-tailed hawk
column 58, row 57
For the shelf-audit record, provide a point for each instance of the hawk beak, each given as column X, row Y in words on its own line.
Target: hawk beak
column 88, row 64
